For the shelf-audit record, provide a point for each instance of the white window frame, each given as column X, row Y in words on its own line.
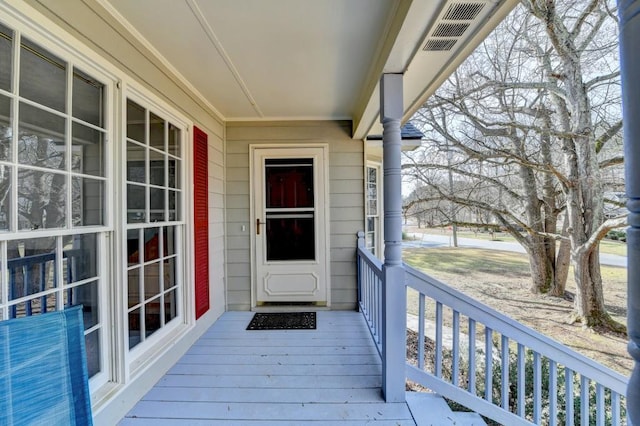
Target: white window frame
column 377, row 246
column 75, row 59
column 145, row 352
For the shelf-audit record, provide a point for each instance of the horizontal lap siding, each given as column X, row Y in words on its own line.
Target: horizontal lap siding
column 346, row 201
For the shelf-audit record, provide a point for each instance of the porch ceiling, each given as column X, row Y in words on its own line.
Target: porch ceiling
column 298, row 60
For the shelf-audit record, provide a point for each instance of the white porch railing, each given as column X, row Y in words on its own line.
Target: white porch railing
column 370, row 292
column 493, row 365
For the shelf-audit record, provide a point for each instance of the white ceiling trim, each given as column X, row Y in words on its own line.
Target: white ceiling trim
column 157, row 56
column 289, row 118
column 213, row 38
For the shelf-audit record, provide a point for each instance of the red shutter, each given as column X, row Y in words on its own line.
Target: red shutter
column 201, row 220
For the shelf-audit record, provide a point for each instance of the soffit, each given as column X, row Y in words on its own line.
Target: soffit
column 298, row 59
column 256, row 59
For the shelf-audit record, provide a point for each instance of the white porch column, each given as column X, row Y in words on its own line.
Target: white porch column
column 394, row 299
column 629, row 13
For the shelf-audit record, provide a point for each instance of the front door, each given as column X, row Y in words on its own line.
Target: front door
column 289, row 225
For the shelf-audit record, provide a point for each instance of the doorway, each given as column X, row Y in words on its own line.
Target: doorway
column 289, row 217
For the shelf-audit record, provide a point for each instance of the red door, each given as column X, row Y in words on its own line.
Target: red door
column 201, row 220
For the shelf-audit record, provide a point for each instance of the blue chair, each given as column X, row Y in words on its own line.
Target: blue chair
column 43, row 370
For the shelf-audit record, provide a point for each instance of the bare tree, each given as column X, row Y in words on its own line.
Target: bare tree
column 531, row 121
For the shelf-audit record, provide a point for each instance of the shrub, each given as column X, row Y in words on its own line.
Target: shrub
column 617, row 235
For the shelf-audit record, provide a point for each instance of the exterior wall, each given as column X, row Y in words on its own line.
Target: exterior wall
column 85, row 27
column 346, row 199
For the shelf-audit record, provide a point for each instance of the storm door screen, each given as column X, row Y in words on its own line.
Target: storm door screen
column 289, row 209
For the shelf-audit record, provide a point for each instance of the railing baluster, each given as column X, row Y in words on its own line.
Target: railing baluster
column 553, row 393
column 537, row 388
column 43, row 286
column 600, row 405
column 472, row 356
column 369, row 301
column 358, row 280
column 455, row 367
column 584, row 400
column 70, row 268
column 25, row 286
column 421, row 320
column 374, row 306
column 371, row 297
column 488, row 364
column 521, row 380
column 379, row 310
column 438, row 369
column 568, row 386
column 615, row 408
column 504, row 379
column 12, row 290
column 362, row 284
column 366, row 283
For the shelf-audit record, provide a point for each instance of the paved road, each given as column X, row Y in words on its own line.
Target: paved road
column 442, row 240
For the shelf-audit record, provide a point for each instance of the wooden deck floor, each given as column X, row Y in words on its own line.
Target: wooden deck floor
column 330, row 375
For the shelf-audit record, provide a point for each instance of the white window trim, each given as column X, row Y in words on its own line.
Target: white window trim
column 379, row 232
column 137, row 359
column 20, row 18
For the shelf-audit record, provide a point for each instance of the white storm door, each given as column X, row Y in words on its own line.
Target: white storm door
column 289, row 218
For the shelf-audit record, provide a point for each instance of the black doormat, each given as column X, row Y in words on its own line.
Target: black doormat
column 283, row 321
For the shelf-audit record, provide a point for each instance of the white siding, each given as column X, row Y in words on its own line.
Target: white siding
column 346, row 182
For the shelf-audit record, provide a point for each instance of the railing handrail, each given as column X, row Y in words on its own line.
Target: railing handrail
column 518, row 332
column 33, row 259
column 371, row 260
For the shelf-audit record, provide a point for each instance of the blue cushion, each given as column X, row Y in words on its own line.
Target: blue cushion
column 43, row 370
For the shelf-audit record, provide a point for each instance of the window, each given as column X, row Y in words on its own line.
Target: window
column 53, row 178
column 289, row 209
column 372, row 225
column 154, row 221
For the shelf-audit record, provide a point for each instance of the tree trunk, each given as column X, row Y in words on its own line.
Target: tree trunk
column 542, row 268
column 589, row 303
column 563, row 262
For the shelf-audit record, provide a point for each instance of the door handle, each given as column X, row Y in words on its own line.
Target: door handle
column 258, row 223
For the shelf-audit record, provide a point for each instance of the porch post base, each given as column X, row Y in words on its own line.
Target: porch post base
column 394, row 326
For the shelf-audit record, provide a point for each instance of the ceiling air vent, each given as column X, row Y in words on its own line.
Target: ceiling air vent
column 450, row 30
column 439, row 44
column 454, row 21
column 463, row 11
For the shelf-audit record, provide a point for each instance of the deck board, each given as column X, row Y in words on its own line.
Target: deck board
column 234, row 376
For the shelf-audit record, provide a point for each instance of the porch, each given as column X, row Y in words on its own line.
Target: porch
column 234, row 376
column 330, row 375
